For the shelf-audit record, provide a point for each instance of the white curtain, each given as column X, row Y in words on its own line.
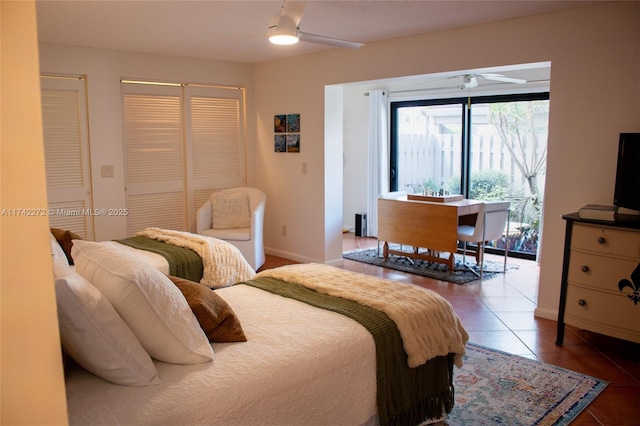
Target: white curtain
column 378, row 167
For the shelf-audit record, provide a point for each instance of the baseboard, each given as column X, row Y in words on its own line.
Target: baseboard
column 288, row 255
column 301, row 259
column 550, row 314
column 336, row 262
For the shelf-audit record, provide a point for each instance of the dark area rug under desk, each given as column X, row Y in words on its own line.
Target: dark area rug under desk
column 461, row 274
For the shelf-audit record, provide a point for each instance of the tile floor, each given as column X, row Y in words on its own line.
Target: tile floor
column 498, row 313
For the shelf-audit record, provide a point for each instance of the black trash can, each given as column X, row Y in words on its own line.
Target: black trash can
column 361, row 224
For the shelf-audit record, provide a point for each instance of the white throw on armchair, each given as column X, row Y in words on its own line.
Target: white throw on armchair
column 236, row 215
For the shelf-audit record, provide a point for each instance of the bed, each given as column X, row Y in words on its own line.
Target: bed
column 312, row 352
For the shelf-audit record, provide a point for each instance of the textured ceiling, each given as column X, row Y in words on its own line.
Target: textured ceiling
column 234, row 30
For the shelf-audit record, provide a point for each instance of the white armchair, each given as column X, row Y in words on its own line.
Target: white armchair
column 235, row 222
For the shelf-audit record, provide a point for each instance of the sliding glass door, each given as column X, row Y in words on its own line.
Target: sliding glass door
column 508, row 153
column 485, row 148
column 426, row 146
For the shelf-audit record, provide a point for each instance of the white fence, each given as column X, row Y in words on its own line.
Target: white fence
column 435, row 159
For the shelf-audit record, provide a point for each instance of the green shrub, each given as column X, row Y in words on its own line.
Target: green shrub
column 489, row 185
column 485, row 185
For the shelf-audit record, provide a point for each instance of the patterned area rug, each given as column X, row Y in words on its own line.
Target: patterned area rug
column 496, row 388
column 460, row 275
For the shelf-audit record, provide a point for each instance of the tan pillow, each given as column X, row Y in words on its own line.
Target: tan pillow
column 64, row 238
column 217, row 319
column 230, row 210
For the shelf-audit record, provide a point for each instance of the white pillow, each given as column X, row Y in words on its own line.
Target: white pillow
column 230, row 210
column 95, row 336
column 56, row 250
column 151, row 305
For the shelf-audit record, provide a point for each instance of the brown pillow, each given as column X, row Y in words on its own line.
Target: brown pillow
column 217, row 319
column 64, row 238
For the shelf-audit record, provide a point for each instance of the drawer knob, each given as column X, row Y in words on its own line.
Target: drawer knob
column 582, row 302
column 601, row 240
column 584, row 268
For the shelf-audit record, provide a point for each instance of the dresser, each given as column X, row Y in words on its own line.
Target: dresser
column 600, row 288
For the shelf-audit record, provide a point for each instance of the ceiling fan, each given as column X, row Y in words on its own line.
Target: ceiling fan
column 284, row 28
column 470, row 81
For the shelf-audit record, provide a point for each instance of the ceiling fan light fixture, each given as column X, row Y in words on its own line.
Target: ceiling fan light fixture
column 284, row 32
column 283, row 39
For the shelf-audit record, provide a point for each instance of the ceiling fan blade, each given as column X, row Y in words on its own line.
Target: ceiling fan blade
column 500, row 77
column 294, row 10
column 313, row 38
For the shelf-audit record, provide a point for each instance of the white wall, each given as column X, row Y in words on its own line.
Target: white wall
column 104, row 69
column 294, row 199
column 333, row 171
column 356, row 154
column 595, row 81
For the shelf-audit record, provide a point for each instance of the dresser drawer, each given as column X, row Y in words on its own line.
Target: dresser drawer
column 607, row 241
column 599, row 272
column 594, row 310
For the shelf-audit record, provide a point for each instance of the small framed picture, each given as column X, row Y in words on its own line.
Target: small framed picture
column 293, row 123
column 280, row 143
column 286, row 129
column 280, row 123
column 293, row 142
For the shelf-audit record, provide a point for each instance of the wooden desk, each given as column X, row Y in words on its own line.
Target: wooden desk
column 430, row 225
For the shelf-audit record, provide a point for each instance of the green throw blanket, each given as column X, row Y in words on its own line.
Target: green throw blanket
column 405, row 396
column 183, row 262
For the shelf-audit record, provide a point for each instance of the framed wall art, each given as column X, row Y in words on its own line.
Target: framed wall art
column 286, row 129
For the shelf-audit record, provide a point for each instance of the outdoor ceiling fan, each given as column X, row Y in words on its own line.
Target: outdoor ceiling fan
column 284, row 28
column 470, row 81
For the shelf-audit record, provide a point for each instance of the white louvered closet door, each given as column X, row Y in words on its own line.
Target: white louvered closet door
column 216, row 146
column 67, row 159
column 154, row 161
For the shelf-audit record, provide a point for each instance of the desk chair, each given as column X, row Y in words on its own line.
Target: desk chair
column 489, row 226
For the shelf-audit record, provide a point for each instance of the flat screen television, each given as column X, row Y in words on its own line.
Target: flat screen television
column 627, row 190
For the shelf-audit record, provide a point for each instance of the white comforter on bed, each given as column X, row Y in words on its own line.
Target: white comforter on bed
column 300, row 365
